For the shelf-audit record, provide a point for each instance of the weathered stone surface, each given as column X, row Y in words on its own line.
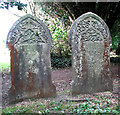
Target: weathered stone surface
column 90, row 39
column 29, row 41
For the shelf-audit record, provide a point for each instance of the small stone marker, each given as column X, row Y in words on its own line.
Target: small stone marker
column 90, row 39
column 29, row 41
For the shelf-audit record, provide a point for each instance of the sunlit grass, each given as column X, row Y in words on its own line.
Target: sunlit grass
column 4, row 66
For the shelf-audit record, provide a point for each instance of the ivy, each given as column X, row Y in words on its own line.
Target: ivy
column 6, row 5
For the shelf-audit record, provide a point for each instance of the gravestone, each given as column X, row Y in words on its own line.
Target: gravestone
column 29, row 41
column 90, row 39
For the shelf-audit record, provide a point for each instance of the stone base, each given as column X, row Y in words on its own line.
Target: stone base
column 16, row 95
column 88, row 87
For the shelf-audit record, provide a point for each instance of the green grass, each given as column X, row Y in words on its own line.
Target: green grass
column 4, row 66
column 63, row 107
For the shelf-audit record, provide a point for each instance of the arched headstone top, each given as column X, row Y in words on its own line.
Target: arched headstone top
column 29, row 30
column 89, row 27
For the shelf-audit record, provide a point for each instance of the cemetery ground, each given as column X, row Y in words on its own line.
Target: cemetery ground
column 104, row 102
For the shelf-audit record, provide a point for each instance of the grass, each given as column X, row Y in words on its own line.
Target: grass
column 63, row 107
column 99, row 105
column 4, row 66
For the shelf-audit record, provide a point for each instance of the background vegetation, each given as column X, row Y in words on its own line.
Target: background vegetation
column 115, row 33
column 59, row 17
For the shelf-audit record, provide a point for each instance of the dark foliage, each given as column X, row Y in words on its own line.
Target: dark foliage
column 108, row 11
column 60, row 61
column 118, row 50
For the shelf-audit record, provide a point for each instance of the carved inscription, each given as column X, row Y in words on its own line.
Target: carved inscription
column 29, row 30
column 91, row 29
